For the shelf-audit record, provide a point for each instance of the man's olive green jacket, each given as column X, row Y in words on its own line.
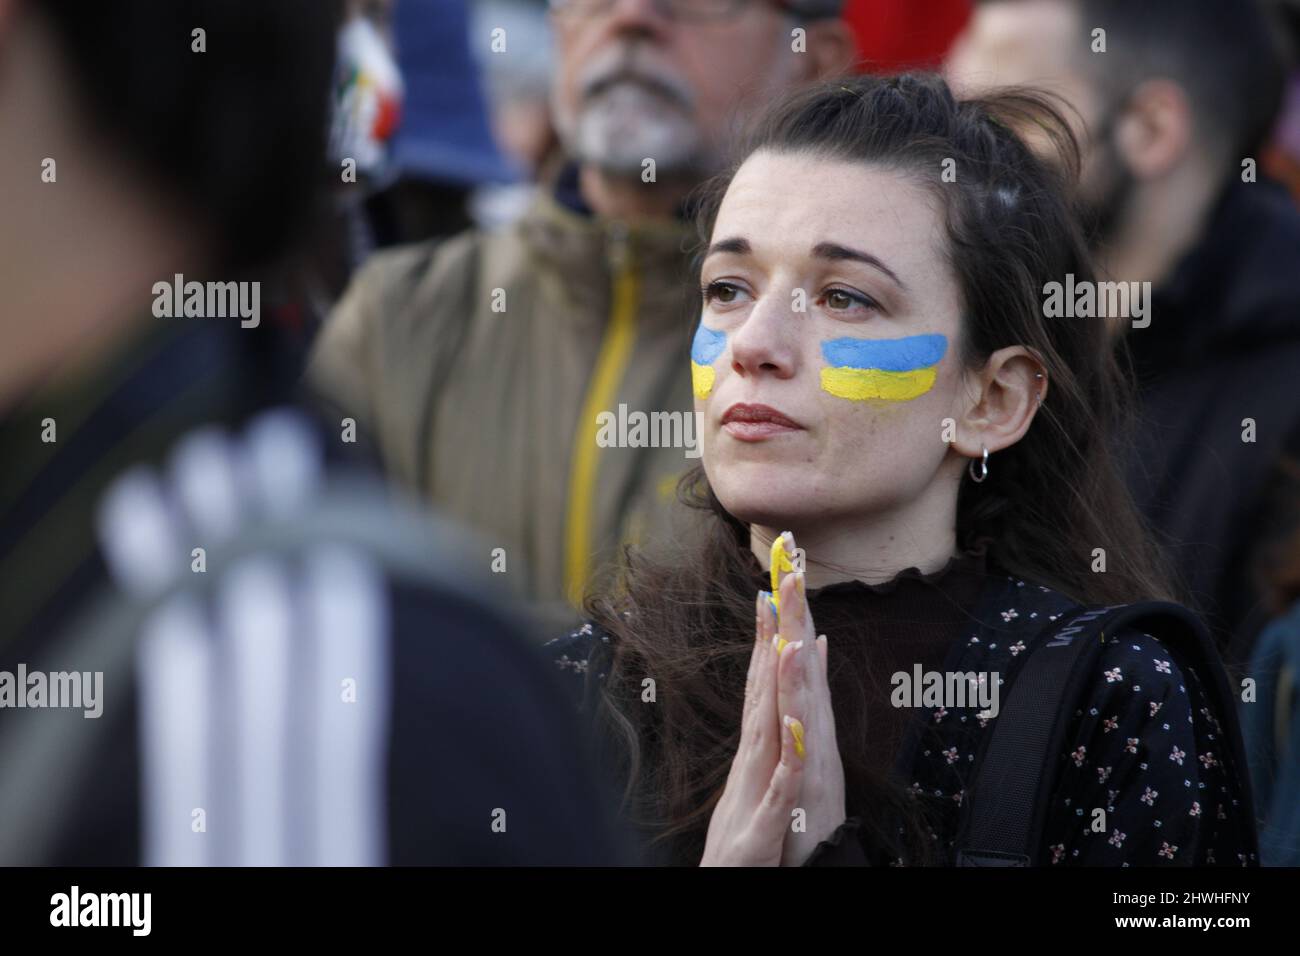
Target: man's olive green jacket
column 489, row 370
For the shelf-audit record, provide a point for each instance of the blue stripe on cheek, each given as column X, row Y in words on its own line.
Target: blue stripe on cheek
column 890, row 355
column 708, row 345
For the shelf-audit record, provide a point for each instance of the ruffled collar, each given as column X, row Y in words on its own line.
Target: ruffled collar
column 972, row 562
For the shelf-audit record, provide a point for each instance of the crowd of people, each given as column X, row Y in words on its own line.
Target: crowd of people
column 987, row 322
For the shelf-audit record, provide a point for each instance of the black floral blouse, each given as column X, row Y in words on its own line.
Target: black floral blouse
column 1146, row 748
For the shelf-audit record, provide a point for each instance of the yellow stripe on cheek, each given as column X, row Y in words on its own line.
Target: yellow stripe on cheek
column 702, row 377
column 863, row 384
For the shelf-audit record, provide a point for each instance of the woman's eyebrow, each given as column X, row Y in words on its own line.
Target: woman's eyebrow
column 834, row 251
column 735, row 245
column 738, row 245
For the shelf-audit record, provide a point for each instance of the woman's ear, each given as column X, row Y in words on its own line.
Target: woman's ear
column 1003, row 399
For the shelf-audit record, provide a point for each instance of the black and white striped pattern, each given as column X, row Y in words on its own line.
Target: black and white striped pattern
column 264, row 682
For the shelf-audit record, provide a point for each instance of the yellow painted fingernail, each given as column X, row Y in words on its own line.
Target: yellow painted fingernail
column 796, row 731
column 780, row 561
column 781, row 642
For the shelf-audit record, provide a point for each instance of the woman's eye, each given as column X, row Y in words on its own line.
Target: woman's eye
column 841, row 300
column 721, row 292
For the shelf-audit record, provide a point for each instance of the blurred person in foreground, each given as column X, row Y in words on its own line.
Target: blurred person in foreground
column 483, row 367
column 1176, row 98
column 214, row 649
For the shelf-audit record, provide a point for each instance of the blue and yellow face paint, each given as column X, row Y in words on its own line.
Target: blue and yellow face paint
column 892, row 370
column 706, row 348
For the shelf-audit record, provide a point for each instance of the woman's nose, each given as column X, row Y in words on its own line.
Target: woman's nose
column 767, row 340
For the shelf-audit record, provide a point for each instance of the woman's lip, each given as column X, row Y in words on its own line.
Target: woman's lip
column 757, row 431
column 752, row 422
column 746, row 413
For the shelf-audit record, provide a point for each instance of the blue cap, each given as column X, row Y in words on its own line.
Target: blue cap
column 444, row 134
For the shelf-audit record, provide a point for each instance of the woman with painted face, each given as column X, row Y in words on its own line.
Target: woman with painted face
column 908, row 495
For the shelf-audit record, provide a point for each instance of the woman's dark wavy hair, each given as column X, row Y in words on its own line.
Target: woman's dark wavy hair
column 1048, row 502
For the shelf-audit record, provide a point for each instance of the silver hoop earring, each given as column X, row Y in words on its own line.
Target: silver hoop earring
column 984, row 468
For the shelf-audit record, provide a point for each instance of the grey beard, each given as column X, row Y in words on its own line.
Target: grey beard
column 617, row 134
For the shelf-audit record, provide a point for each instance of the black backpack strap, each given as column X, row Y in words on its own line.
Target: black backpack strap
column 1015, row 776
